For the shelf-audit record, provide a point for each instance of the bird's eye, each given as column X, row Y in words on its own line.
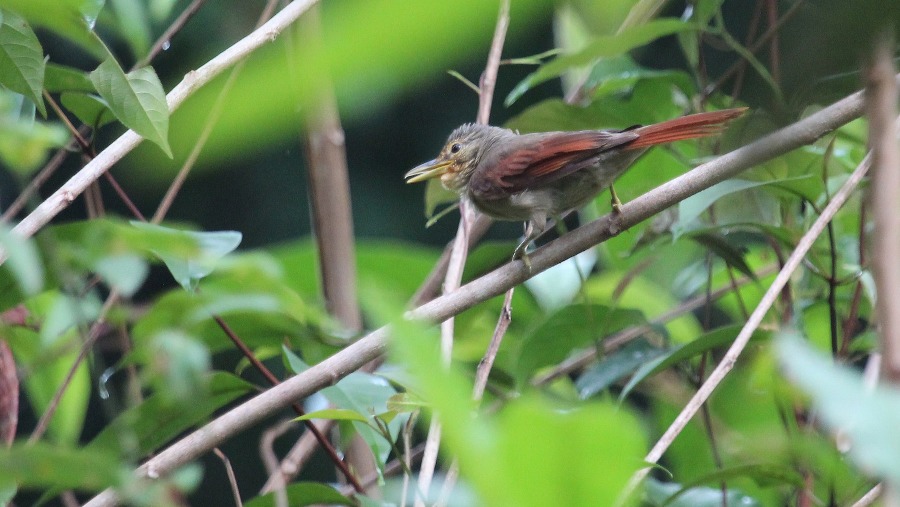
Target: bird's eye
column 455, row 148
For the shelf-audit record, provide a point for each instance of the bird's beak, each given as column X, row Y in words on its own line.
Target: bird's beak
column 428, row 170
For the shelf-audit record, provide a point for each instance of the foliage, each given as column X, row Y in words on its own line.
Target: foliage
column 124, row 332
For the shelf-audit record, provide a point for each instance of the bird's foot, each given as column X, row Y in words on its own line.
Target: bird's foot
column 616, row 203
column 522, row 254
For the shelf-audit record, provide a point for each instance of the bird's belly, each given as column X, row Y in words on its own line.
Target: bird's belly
column 552, row 199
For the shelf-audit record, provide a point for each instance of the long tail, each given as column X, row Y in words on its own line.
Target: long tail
column 686, row 127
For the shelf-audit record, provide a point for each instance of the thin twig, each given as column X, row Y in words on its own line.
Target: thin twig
column 270, row 459
column 487, row 362
column 232, row 480
column 299, row 454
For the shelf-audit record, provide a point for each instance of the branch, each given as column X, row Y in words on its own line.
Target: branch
column 192, row 82
column 881, row 94
column 344, row 362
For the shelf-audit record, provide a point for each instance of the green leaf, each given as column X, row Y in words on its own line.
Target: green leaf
column 868, row 416
column 533, row 453
column 90, row 109
column 691, row 208
column 126, row 273
column 144, row 428
column 189, row 269
column 73, row 19
column 613, row 75
column 435, row 195
column 43, row 465
column 658, row 493
column 335, row 414
column 709, row 341
column 304, row 493
column 571, row 328
column 21, row 59
column 177, row 365
column 615, row 366
column 731, row 254
column 405, row 402
column 364, row 393
column 137, row 99
column 48, row 355
column 24, row 142
column 23, row 260
column 764, row 474
column 601, row 47
column 59, row 78
column 650, row 101
column 558, row 285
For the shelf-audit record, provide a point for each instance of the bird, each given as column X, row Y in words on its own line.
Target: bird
column 537, row 176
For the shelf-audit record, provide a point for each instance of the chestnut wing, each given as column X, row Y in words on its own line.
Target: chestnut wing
column 532, row 160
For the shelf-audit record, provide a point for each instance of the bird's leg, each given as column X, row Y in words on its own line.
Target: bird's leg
column 616, row 203
column 533, row 229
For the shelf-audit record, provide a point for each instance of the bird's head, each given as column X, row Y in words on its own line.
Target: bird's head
column 464, row 149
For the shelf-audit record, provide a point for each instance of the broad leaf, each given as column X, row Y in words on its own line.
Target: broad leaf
column 188, row 270
column 59, row 78
column 90, row 109
column 22, row 260
column 615, row 366
column 21, row 59
column 137, row 99
column 571, row 328
column 42, row 465
column 303, row 493
column 707, row 342
column 659, row 494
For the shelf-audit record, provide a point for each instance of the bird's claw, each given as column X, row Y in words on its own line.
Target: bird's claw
column 521, row 254
column 616, row 203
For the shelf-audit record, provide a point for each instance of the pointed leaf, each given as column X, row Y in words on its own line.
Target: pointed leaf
column 189, row 269
column 335, row 414
column 731, row 254
column 23, row 260
column 59, row 78
column 709, row 341
column 615, row 366
column 21, row 59
column 300, row 494
column 137, row 99
column 90, row 109
column 42, row 465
